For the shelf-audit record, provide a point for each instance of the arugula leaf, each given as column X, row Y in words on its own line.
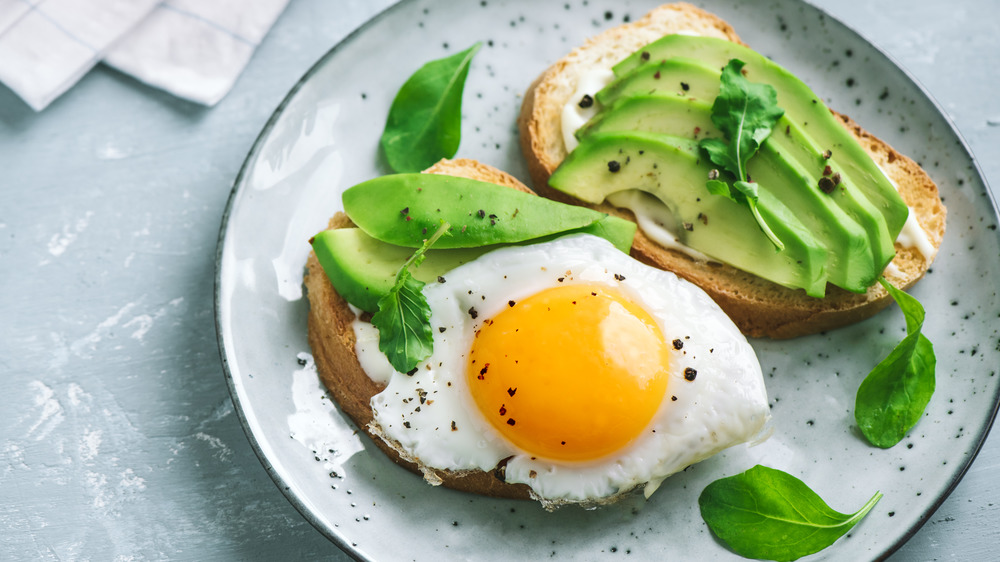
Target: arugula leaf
column 769, row 514
column 745, row 112
column 403, row 317
column 425, row 119
column 892, row 398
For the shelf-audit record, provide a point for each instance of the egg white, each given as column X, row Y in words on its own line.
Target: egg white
column 431, row 417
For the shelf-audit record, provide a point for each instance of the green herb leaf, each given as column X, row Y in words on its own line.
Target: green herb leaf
column 716, row 187
column 403, row 317
column 719, row 153
column 768, row 514
column 745, row 112
column 424, row 123
column 747, row 190
column 892, row 398
column 403, row 322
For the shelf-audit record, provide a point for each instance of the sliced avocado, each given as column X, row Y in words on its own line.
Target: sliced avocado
column 671, row 169
column 655, row 113
column 849, row 194
column 363, row 269
column 851, row 264
column 677, row 76
column 801, row 106
column 403, row 209
column 789, row 140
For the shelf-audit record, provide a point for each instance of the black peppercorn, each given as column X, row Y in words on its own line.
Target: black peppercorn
column 826, row 185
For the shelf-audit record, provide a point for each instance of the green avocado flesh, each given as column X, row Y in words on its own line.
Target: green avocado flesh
column 677, row 76
column 404, row 209
column 850, row 262
column 362, row 269
column 671, row 169
column 801, row 106
column 395, row 213
column 666, row 89
column 650, row 80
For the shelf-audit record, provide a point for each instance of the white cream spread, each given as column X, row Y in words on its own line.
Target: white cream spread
column 654, row 219
column 912, row 235
column 892, row 271
column 573, row 116
column 373, row 362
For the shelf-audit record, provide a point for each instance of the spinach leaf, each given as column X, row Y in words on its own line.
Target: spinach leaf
column 403, row 317
column 425, row 119
column 769, row 514
column 745, row 113
column 892, row 398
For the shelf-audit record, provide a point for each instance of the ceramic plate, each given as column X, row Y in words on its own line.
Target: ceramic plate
column 324, row 138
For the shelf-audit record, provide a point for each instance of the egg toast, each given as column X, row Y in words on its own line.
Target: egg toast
column 561, row 369
column 759, row 307
column 332, row 340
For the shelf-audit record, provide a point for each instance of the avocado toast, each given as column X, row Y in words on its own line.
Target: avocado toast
column 839, row 219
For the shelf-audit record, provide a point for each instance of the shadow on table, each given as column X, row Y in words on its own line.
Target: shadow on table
column 17, row 115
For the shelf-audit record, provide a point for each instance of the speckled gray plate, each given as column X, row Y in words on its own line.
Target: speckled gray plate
column 324, row 138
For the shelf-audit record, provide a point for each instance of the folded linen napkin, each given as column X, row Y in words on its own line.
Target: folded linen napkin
column 195, row 49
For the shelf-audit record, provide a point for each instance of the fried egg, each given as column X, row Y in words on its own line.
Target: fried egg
column 574, row 369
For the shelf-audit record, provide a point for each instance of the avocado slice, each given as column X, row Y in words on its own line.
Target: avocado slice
column 655, row 113
column 395, row 213
column 851, row 263
column 671, row 169
column 801, row 106
column 795, row 143
column 363, row 269
column 790, row 140
column 677, row 76
column 403, row 209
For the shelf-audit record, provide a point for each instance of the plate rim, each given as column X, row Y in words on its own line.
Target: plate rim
column 239, row 187
column 985, row 430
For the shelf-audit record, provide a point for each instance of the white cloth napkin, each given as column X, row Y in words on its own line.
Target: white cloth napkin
column 195, row 49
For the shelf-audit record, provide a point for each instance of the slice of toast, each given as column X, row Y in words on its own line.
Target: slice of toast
column 759, row 307
column 332, row 339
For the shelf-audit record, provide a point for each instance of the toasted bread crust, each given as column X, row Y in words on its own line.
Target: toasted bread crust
column 332, row 339
column 759, row 307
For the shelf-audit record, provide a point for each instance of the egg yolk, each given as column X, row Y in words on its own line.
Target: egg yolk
column 572, row 373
